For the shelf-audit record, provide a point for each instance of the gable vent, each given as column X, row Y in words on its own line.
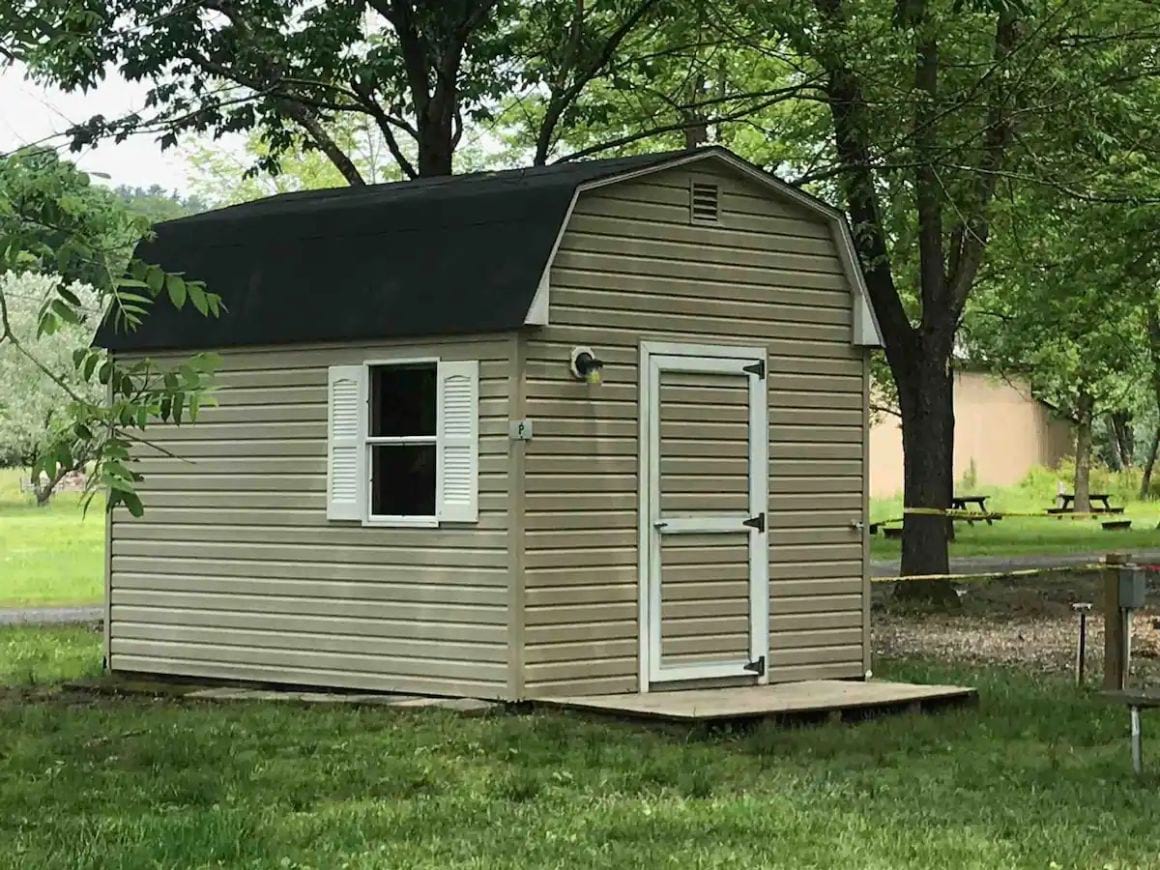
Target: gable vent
column 704, row 202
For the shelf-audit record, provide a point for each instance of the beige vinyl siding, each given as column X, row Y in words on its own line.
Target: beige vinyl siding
column 631, row 267
column 235, row 572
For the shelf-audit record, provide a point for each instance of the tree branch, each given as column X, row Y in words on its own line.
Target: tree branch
column 563, row 96
column 848, row 110
column 661, row 129
column 928, row 192
column 973, row 239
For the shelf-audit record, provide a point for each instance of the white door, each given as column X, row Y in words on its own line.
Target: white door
column 703, row 536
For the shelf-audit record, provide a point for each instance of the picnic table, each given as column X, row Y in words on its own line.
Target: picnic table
column 1067, row 503
column 960, row 502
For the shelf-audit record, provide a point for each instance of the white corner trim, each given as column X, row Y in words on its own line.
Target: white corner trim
column 866, row 332
column 538, row 310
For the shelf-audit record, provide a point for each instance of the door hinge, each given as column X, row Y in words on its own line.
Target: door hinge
column 757, row 522
column 758, row 368
column 757, row 666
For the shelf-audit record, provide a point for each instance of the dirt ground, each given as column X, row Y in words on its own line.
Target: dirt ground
column 1025, row 621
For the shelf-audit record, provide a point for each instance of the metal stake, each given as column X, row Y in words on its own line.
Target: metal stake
column 1137, row 760
column 1127, row 645
column 1082, row 608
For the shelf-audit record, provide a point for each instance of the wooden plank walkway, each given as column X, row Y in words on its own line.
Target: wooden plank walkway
column 806, row 698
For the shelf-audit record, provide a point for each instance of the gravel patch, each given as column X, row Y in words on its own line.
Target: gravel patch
column 50, row 615
column 1023, row 621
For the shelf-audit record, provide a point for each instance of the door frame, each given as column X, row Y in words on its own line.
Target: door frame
column 649, row 583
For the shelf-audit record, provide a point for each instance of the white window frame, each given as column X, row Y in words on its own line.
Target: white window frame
column 425, row 521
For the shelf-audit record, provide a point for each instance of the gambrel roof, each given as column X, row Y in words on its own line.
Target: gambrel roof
column 442, row 256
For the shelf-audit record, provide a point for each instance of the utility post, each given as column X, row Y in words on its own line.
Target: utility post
column 1115, row 631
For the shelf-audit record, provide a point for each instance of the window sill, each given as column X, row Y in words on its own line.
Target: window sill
column 402, row 522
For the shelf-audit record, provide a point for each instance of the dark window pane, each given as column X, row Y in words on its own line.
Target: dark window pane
column 403, row 400
column 403, row 480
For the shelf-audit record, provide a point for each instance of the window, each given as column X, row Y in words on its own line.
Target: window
column 402, row 442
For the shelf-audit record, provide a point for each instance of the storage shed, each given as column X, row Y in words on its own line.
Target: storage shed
column 591, row 428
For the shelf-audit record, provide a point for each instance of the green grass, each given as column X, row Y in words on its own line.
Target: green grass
column 1036, row 776
column 1039, row 534
column 35, row 655
column 50, row 555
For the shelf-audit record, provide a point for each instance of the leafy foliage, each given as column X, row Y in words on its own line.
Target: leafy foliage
column 53, row 222
column 419, row 72
column 30, row 399
column 157, row 204
column 222, row 177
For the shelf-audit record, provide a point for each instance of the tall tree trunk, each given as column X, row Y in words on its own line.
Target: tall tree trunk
column 1124, row 444
column 926, row 401
column 436, row 149
column 1154, row 353
column 1149, row 464
column 696, row 133
column 919, row 355
column 43, row 487
column 1083, row 453
column 696, row 128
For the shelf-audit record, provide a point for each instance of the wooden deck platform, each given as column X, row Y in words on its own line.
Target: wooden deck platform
column 807, row 698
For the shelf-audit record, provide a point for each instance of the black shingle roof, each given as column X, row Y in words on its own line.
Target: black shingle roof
column 436, row 256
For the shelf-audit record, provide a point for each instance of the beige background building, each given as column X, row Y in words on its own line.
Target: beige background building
column 999, row 427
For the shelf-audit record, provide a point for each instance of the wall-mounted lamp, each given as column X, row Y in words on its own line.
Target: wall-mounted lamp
column 586, row 366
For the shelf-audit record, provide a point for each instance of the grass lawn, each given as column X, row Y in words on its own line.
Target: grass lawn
column 1028, row 536
column 1037, row 775
column 49, row 555
column 1039, row 534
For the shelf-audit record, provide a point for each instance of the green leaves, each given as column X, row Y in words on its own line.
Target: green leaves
column 100, row 408
column 155, row 279
column 175, row 285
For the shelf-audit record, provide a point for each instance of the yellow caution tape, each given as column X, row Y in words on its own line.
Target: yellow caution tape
column 994, row 575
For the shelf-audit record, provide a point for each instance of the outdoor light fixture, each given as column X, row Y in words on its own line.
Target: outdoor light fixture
column 586, row 366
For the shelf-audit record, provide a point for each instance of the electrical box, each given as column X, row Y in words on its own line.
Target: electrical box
column 1132, row 588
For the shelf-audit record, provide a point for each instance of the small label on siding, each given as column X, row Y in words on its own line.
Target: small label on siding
column 520, row 430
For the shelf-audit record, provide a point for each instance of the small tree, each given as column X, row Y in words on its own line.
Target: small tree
column 52, row 222
column 1057, row 308
column 31, row 401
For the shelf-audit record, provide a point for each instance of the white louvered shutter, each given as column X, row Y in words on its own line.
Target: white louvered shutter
column 458, row 470
column 345, row 457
